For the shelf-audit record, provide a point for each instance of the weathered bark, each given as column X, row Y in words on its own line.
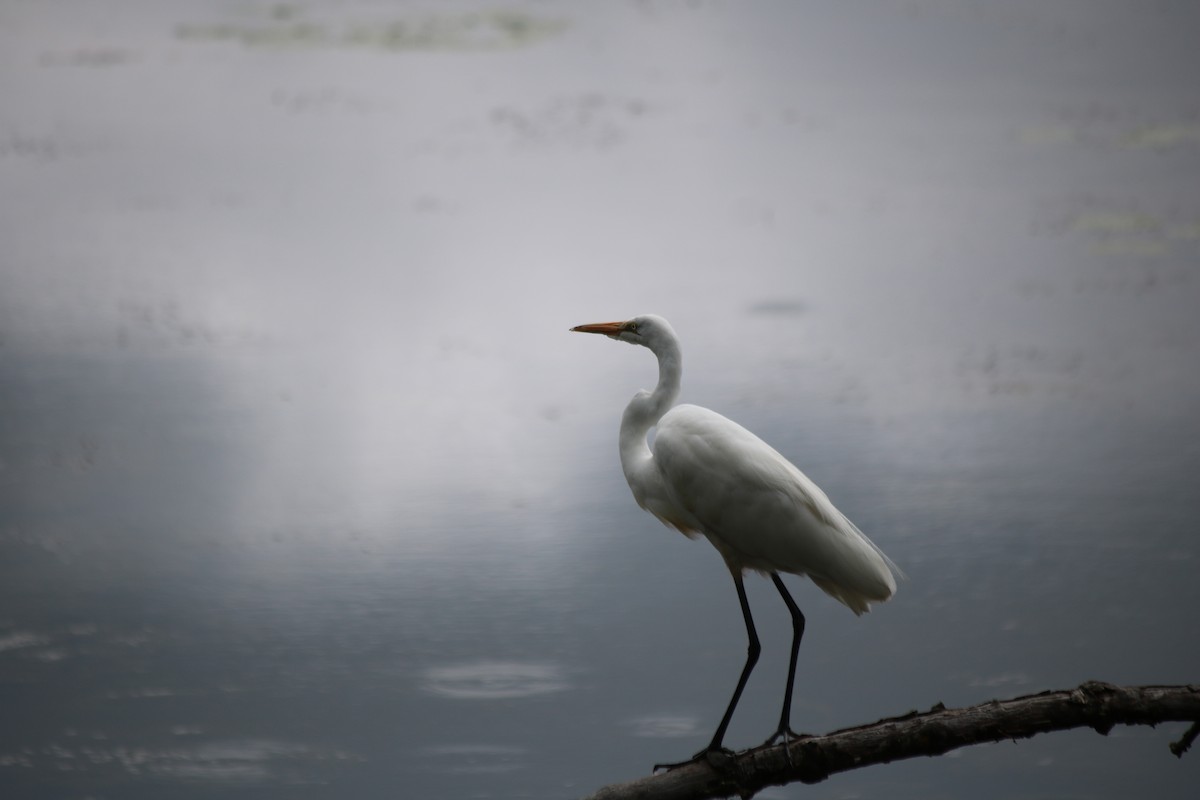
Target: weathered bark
column 814, row 758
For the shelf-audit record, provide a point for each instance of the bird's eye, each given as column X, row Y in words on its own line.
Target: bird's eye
column 631, row 327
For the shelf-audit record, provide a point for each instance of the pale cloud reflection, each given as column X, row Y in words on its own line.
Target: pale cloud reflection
column 664, row 726
column 228, row 763
column 474, row 759
column 495, row 680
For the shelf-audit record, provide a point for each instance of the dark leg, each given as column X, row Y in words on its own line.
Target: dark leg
column 785, row 727
column 752, row 652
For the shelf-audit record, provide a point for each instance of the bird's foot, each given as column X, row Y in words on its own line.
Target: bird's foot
column 785, row 733
column 716, row 757
column 788, row 735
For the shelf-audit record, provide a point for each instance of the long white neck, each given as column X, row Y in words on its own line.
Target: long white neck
column 646, row 409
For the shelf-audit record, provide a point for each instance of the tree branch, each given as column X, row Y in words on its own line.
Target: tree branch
column 812, row 759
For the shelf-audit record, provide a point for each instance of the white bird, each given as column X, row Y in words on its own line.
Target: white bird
column 708, row 476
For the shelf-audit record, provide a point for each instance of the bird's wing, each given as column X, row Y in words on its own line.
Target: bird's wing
column 760, row 511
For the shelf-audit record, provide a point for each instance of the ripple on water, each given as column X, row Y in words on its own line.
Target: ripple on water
column 495, row 680
column 474, row 758
column 664, row 726
column 240, row 762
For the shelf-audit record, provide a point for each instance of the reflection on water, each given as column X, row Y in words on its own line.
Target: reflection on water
column 221, row 764
column 494, row 680
column 475, row 758
column 664, row 726
column 18, row 639
column 1015, row 680
column 306, row 490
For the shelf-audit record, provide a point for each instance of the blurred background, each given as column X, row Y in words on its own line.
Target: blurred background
column 306, row 491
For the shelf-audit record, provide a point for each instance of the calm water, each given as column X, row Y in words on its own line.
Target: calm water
column 306, row 491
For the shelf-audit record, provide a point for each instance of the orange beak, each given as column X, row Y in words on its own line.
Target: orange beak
column 607, row 328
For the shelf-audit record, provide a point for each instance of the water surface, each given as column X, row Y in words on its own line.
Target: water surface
column 306, row 491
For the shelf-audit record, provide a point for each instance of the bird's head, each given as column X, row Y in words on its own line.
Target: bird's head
column 648, row 330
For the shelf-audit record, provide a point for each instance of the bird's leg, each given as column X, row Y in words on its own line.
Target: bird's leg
column 753, row 648
column 752, row 652
column 785, row 728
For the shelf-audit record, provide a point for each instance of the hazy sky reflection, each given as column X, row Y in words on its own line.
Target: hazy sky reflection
column 305, row 487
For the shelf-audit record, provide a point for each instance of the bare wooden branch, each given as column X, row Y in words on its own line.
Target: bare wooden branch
column 812, row 759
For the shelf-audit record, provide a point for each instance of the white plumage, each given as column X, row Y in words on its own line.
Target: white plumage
column 706, row 475
column 760, row 511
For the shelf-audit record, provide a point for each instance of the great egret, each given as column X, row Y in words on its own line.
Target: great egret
column 708, row 476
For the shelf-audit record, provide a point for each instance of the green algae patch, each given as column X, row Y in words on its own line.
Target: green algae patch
column 1116, row 223
column 285, row 27
column 1163, row 137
